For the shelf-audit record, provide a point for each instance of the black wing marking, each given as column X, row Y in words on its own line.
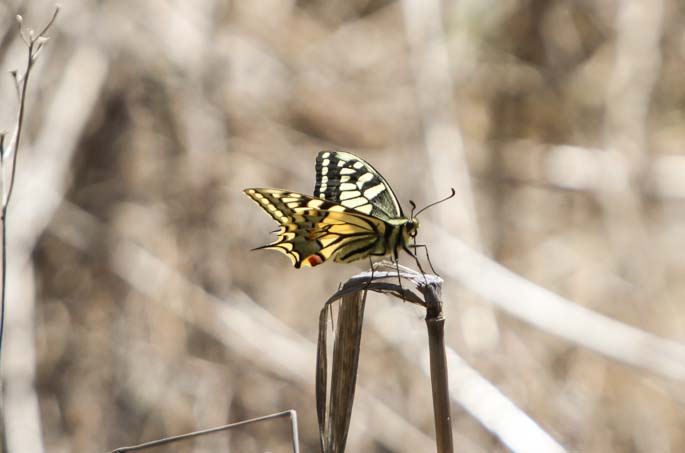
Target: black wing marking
column 351, row 181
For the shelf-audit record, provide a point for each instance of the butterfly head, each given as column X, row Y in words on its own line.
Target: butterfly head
column 411, row 227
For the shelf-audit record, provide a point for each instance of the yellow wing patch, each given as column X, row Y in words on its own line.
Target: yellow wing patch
column 313, row 231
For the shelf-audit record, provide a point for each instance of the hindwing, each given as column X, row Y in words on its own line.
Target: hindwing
column 352, row 182
column 314, row 230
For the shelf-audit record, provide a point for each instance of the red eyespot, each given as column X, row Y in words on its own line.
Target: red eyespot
column 314, row 260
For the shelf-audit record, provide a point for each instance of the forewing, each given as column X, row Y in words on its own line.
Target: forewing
column 352, row 182
column 314, row 230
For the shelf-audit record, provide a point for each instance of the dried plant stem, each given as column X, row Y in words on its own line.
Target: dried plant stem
column 291, row 414
column 4, row 246
column 334, row 425
column 8, row 155
column 8, row 163
column 435, row 322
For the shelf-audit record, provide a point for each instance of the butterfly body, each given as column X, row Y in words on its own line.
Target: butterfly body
column 353, row 214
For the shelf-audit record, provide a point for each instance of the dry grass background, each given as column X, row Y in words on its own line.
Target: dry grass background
column 137, row 311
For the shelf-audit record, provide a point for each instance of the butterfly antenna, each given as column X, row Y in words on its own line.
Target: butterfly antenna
column 436, row 202
column 413, row 208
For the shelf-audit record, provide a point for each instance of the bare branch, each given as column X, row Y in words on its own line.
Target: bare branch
column 51, row 21
column 291, row 414
column 35, row 44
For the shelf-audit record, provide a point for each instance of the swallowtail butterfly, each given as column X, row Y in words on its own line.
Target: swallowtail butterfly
column 353, row 214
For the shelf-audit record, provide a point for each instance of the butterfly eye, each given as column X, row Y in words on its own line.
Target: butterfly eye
column 412, row 228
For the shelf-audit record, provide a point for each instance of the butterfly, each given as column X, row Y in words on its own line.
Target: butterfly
column 354, row 214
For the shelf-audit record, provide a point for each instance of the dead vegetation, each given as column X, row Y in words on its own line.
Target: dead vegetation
column 138, row 311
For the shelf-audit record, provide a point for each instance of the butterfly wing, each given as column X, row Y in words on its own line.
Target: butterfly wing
column 352, row 182
column 313, row 230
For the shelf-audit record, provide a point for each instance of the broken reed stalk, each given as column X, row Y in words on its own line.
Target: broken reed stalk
column 435, row 322
column 334, row 423
column 333, row 435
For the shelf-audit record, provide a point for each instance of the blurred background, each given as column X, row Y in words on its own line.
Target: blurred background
column 137, row 311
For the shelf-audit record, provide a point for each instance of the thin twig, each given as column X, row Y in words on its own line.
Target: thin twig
column 291, row 414
column 34, row 43
column 3, row 213
column 51, row 21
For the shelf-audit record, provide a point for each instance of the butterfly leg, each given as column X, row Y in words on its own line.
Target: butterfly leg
column 370, row 278
column 416, row 258
column 428, row 257
column 399, row 279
